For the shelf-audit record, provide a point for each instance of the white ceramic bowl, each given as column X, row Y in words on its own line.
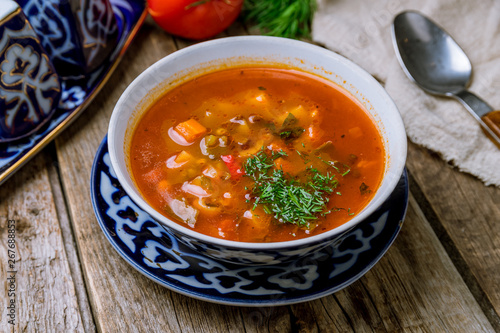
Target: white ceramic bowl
column 239, row 51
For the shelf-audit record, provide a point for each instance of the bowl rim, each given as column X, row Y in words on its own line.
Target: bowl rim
column 332, row 234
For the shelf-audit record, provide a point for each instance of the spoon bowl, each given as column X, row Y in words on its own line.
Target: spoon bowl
column 430, row 56
column 437, row 64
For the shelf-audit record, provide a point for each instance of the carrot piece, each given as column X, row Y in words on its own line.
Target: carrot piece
column 190, row 129
column 163, row 185
column 286, row 166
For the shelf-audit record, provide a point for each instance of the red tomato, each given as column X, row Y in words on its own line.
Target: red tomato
column 194, row 19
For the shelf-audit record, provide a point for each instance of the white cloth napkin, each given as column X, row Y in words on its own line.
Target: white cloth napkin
column 361, row 31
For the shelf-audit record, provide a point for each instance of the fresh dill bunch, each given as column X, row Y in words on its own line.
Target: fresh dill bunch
column 281, row 18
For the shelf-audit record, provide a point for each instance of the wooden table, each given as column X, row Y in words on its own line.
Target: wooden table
column 442, row 274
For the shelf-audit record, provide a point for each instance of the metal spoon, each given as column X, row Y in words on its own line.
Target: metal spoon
column 436, row 63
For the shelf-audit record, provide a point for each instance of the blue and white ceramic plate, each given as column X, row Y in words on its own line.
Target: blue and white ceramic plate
column 145, row 245
column 76, row 93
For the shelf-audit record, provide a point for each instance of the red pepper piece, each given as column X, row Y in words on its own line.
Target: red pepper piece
column 233, row 165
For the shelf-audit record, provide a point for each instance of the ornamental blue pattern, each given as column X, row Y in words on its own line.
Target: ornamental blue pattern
column 154, row 252
column 76, row 93
column 29, row 87
column 78, row 35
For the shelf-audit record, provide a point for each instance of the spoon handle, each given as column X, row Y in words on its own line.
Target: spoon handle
column 492, row 120
column 484, row 114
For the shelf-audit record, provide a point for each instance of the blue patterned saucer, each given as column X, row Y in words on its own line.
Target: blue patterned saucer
column 76, row 93
column 145, row 245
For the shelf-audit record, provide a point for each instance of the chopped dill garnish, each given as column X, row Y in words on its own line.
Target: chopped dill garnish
column 342, row 168
column 287, row 198
column 304, row 156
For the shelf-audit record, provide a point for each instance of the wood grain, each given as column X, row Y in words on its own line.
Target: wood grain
column 440, row 275
column 410, row 289
column 468, row 213
column 45, row 293
column 69, row 242
column 121, row 298
column 124, row 300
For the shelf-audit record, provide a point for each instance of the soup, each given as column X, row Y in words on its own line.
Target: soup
column 257, row 155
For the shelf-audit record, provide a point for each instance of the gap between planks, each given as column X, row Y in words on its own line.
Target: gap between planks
column 69, row 240
column 454, row 254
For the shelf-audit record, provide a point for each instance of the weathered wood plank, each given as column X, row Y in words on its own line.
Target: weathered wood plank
column 388, row 298
column 469, row 214
column 198, row 316
column 414, row 287
column 266, row 319
column 45, row 298
column 69, row 244
column 121, row 298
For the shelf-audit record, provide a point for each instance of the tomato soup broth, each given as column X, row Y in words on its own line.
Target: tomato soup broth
column 257, row 155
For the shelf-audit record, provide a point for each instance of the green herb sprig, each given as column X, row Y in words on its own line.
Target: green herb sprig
column 281, row 18
column 287, row 199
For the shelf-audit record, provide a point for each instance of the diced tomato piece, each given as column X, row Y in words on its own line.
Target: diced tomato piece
column 275, row 146
column 227, row 228
column 164, row 189
column 315, row 133
column 153, row 176
column 356, row 132
column 255, row 225
column 233, row 165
